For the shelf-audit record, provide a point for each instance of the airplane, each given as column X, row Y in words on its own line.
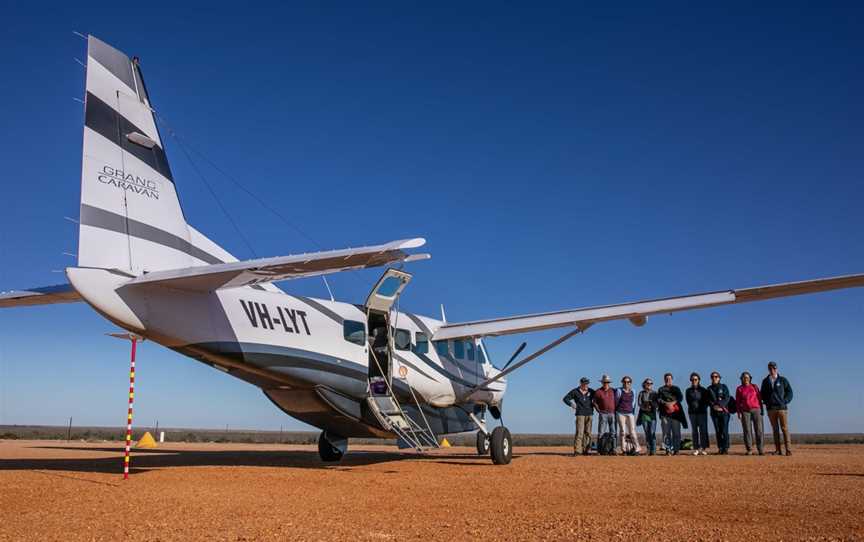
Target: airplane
column 351, row 370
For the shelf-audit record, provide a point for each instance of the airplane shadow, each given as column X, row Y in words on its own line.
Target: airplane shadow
column 146, row 460
column 166, row 458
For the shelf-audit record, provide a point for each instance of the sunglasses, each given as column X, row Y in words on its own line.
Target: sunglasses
column 715, row 376
column 694, row 379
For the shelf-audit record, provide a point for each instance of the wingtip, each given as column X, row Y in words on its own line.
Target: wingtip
column 412, row 243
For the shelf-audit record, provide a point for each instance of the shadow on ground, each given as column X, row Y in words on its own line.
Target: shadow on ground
column 146, row 460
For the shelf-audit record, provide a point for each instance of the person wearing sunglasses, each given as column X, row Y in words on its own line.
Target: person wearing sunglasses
column 719, row 400
column 625, row 415
column 697, row 408
column 748, row 404
column 648, row 414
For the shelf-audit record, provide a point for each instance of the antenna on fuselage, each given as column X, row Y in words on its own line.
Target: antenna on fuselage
column 443, row 316
column 327, row 284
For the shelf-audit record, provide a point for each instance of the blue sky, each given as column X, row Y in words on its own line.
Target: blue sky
column 554, row 157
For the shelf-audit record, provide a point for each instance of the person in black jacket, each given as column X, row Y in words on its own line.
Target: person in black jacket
column 697, row 408
column 672, row 416
column 718, row 398
column 777, row 394
column 581, row 400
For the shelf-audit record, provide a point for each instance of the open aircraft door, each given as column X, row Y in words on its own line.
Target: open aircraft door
column 378, row 305
column 387, row 290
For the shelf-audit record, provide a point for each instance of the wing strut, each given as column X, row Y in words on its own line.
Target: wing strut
column 564, row 338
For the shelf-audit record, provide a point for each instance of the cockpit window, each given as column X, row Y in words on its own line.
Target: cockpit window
column 459, row 349
column 441, row 348
column 422, row 346
column 469, row 351
column 402, row 339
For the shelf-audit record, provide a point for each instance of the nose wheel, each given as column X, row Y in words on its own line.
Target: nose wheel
column 483, row 443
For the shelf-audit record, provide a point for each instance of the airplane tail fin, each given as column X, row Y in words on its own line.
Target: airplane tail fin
column 131, row 219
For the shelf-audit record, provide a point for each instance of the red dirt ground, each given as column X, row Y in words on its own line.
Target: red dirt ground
column 51, row 490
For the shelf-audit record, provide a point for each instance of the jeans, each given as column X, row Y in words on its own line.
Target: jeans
column 627, row 428
column 751, row 422
column 699, row 423
column 650, row 428
column 582, row 440
column 607, row 420
column 721, row 429
column 780, row 420
column 671, row 433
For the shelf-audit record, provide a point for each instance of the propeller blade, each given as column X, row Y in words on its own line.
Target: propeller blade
column 516, row 353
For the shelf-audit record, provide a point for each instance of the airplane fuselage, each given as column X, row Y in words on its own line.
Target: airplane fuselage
column 310, row 356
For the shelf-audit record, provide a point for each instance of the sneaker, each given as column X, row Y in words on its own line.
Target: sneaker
column 696, row 452
column 704, row 452
column 761, row 452
column 748, row 452
column 788, row 452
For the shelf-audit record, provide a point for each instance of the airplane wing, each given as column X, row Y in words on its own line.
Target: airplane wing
column 46, row 295
column 638, row 312
column 207, row 278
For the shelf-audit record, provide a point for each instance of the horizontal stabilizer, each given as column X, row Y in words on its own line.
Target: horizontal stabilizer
column 207, row 278
column 638, row 311
column 46, row 295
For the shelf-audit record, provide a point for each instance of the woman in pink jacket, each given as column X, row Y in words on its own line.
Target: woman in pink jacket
column 749, row 406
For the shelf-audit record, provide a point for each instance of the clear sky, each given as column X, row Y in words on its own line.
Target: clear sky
column 554, row 157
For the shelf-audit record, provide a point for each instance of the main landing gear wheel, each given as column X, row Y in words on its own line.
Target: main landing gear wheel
column 331, row 448
column 501, row 445
column 483, row 443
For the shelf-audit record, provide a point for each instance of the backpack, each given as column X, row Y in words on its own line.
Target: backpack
column 629, row 446
column 606, row 444
column 687, row 444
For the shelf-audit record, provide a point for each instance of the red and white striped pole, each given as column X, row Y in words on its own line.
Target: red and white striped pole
column 134, row 341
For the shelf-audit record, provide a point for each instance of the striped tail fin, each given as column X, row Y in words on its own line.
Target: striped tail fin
column 131, row 218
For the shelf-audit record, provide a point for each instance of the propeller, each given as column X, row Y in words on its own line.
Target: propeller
column 516, row 353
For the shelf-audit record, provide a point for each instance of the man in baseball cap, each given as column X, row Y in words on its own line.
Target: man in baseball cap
column 777, row 394
column 581, row 400
column 604, row 403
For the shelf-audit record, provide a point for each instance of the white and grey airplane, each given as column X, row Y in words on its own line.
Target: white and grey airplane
column 352, row 370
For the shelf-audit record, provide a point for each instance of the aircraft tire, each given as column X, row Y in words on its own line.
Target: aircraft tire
column 327, row 451
column 501, row 446
column 483, row 443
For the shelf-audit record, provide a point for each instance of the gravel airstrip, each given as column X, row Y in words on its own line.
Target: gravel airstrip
column 74, row 491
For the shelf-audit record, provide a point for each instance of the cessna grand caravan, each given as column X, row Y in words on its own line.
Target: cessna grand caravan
column 351, row 370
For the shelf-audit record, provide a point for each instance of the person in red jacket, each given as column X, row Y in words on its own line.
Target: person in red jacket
column 748, row 403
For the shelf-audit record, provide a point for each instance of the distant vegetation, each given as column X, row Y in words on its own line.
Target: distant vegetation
column 101, row 434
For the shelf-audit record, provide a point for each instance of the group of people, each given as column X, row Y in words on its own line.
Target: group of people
column 621, row 410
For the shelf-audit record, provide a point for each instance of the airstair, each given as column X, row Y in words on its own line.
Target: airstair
column 383, row 401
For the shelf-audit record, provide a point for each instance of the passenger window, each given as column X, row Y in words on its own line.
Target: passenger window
column 459, row 349
column 354, row 332
column 422, row 346
column 402, row 339
column 441, row 348
column 470, row 349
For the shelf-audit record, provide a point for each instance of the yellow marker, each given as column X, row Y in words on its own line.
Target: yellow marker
column 147, row 441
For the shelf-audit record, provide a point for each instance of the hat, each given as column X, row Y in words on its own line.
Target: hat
column 584, row 380
column 605, row 378
column 772, row 364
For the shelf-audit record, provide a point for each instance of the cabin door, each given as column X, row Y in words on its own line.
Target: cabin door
column 378, row 307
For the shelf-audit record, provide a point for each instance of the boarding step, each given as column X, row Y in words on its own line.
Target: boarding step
column 393, row 418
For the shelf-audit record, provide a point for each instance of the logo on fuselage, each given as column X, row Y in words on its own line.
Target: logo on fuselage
column 288, row 320
column 128, row 182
